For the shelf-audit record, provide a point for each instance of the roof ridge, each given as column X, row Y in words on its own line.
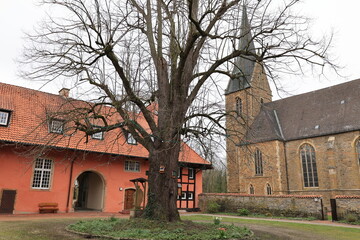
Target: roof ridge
column 30, row 89
column 313, row 91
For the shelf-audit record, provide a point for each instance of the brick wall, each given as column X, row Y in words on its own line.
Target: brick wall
column 284, row 205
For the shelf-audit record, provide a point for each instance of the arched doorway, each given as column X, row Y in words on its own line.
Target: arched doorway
column 89, row 192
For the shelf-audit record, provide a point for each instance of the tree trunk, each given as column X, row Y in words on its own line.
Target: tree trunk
column 162, row 192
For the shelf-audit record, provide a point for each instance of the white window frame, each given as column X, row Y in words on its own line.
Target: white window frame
column 192, row 171
column 56, row 129
column 132, row 166
column 98, row 135
column 183, row 195
column 42, row 174
column 130, row 139
column 190, row 195
column 179, row 173
column 4, row 118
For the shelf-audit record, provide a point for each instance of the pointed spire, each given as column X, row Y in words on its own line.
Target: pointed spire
column 244, row 66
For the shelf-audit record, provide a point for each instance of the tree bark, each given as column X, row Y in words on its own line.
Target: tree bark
column 162, row 192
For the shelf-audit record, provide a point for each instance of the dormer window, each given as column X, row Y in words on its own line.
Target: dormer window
column 4, row 118
column 130, row 139
column 98, row 135
column 56, row 126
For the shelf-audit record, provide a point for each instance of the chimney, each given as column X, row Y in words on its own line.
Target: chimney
column 64, row 92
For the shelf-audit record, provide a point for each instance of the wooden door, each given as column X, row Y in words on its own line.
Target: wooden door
column 7, row 201
column 129, row 199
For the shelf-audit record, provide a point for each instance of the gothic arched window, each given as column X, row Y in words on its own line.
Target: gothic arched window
column 268, row 189
column 358, row 149
column 251, row 189
column 238, row 106
column 258, row 162
column 308, row 160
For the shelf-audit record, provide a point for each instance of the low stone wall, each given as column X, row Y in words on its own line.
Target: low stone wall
column 281, row 205
column 346, row 205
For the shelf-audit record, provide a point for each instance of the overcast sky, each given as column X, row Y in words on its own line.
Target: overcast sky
column 17, row 16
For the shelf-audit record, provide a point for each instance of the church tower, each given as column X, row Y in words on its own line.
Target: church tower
column 247, row 90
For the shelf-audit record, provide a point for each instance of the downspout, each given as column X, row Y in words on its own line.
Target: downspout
column 70, row 184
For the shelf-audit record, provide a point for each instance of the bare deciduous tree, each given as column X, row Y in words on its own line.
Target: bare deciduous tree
column 171, row 54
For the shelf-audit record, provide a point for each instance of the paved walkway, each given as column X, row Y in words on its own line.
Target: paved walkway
column 315, row 222
column 24, row 217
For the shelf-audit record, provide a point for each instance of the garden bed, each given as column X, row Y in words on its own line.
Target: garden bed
column 114, row 228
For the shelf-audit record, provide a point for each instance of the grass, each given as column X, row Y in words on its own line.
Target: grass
column 41, row 229
column 146, row 229
column 328, row 232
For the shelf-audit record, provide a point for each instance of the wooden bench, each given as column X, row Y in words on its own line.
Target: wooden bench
column 48, row 207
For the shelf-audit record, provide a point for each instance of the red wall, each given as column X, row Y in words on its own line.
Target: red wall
column 16, row 172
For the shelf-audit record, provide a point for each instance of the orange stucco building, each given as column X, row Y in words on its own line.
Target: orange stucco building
column 43, row 161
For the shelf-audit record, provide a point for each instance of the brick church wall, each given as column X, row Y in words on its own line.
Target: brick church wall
column 274, row 172
column 337, row 166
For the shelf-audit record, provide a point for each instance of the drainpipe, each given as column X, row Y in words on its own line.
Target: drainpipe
column 70, row 184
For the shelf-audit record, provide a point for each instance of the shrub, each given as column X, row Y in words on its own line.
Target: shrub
column 243, row 212
column 213, row 207
column 351, row 218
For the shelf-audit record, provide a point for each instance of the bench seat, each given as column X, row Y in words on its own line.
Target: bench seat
column 48, row 207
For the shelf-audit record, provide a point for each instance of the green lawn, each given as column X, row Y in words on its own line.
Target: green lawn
column 328, row 232
column 44, row 229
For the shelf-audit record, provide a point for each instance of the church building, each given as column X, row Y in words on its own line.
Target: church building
column 308, row 144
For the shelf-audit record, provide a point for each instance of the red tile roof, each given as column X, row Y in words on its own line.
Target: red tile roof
column 347, row 197
column 28, row 125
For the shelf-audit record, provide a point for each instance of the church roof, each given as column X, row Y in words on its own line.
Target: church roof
column 244, row 65
column 326, row 111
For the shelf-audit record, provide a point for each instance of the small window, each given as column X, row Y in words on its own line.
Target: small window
column 268, row 189
column 42, row 174
column 258, row 163
column 179, row 172
column 190, row 195
column 98, row 135
column 130, row 139
column 358, row 150
column 56, row 126
column 238, row 106
column 183, row 195
column 191, row 173
column 4, row 118
column 132, row 166
column 251, row 189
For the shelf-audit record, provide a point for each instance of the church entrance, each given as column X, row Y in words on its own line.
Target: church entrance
column 89, row 192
